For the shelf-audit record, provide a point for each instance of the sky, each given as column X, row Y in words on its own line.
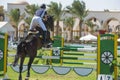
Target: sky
column 94, row 5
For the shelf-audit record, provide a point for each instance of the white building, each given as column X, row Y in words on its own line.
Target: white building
column 21, row 5
column 6, row 27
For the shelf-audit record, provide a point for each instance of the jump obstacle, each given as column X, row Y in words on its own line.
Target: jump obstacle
column 107, row 52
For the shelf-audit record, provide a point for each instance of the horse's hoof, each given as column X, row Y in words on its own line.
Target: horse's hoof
column 14, row 64
column 27, row 78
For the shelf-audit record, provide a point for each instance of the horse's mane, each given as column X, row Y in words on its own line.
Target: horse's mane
column 49, row 23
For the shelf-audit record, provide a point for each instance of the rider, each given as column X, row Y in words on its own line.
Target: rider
column 37, row 20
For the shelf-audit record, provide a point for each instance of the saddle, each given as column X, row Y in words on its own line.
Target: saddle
column 32, row 34
column 38, row 32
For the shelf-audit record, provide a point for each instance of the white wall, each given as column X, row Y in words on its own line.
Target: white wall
column 11, row 6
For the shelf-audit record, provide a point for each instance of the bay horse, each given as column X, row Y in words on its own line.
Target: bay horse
column 30, row 45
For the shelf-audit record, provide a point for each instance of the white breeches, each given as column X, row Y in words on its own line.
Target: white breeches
column 37, row 21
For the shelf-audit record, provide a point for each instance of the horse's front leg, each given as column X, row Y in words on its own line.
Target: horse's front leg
column 21, row 67
column 16, row 60
column 29, row 65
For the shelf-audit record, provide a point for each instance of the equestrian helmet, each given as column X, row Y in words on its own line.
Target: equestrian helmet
column 43, row 6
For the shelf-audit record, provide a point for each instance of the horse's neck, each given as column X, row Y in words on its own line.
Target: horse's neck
column 49, row 23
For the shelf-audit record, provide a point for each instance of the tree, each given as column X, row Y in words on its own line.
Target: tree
column 69, row 22
column 55, row 9
column 15, row 17
column 1, row 13
column 90, row 24
column 30, row 9
column 78, row 8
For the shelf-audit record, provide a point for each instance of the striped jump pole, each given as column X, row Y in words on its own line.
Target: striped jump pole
column 93, row 49
column 78, row 53
column 79, row 46
column 63, row 57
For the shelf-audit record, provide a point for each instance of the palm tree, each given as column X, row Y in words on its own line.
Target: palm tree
column 90, row 24
column 78, row 8
column 15, row 17
column 1, row 13
column 55, row 9
column 69, row 22
column 30, row 9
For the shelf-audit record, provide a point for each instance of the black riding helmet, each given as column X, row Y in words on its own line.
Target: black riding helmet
column 43, row 6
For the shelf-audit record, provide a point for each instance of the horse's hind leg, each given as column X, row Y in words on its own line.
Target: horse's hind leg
column 29, row 65
column 21, row 67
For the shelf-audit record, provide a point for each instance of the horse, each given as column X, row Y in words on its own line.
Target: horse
column 30, row 45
